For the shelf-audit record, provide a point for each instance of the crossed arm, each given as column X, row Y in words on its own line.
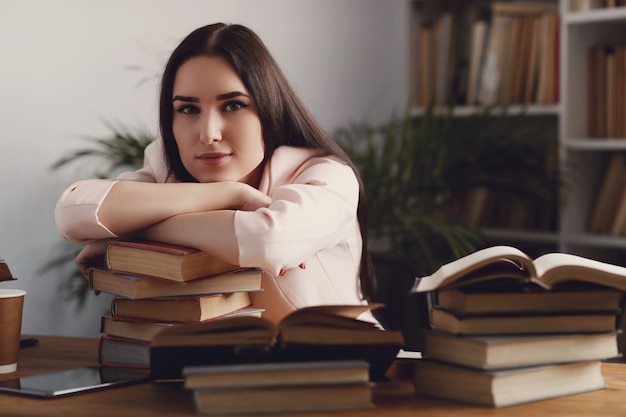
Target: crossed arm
column 180, row 213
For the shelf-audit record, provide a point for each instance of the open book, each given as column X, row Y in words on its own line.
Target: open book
column 509, row 263
column 313, row 333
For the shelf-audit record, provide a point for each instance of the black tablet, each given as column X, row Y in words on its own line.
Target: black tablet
column 72, row 381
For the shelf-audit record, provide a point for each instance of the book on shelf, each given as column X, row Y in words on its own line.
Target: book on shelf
column 520, row 62
column 586, row 5
column 502, row 351
column 328, row 332
column 507, row 265
column 501, row 388
column 493, row 324
column 605, row 90
column 478, row 36
column 276, row 374
column 610, row 192
column 179, row 309
column 5, row 271
column 163, row 260
column 596, row 90
column 146, row 330
column 285, row 399
column 138, row 286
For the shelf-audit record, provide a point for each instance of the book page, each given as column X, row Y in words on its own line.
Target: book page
column 317, row 313
column 462, row 268
column 225, row 331
column 555, row 268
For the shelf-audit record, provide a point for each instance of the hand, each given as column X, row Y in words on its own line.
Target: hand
column 251, row 199
column 92, row 255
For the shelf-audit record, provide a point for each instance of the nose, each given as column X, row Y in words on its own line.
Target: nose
column 211, row 128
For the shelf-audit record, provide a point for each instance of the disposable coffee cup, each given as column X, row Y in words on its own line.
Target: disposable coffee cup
column 11, row 307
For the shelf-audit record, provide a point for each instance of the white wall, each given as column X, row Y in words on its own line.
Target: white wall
column 64, row 69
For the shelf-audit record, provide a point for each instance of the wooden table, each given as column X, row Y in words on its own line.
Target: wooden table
column 392, row 398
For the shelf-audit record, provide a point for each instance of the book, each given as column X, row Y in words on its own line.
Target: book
column 292, row 398
column 163, row 260
column 503, row 388
column 5, row 271
column 509, row 264
column 146, row 330
column 328, row 332
column 276, row 374
column 478, row 36
column 121, row 352
column 609, row 194
column 131, row 329
column 586, row 5
column 462, row 302
column 498, row 352
column 490, row 79
column 179, row 309
column 136, row 286
column 521, row 324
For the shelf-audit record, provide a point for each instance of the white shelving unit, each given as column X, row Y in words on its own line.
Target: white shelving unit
column 582, row 159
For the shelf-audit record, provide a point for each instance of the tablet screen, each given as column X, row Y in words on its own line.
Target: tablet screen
column 72, row 381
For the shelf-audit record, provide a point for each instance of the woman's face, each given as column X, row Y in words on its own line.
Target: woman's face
column 216, row 123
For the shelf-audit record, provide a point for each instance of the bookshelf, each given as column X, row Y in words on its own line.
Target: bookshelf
column 582, row 158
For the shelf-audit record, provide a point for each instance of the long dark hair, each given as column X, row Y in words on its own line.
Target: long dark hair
column 284, row 118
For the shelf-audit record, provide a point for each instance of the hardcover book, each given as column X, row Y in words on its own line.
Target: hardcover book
column 288, row 399
column 500, row 351
column 276, row 374
column 146, row 330
column 483, row 300
column 521, row 323
column 506, row 387
column 136, row 286
column 179, row 309
column 163, row 260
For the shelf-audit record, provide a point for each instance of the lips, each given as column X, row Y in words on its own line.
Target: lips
column 214, row 158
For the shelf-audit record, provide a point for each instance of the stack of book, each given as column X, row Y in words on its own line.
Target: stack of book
column 279, row 387
column 506, row 329
column 156, row 286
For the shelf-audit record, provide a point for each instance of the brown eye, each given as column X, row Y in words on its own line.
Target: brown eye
column 234, row 106
column 187, row 109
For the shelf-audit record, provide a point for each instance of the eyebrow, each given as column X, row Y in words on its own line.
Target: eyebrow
column 224, row 96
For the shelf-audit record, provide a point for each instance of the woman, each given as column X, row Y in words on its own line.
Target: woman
column 241, row 170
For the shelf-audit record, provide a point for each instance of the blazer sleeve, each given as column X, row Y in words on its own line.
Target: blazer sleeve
column 315, row 210
column 76, row 211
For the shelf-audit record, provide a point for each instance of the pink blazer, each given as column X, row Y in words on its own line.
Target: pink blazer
column 311, row 220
